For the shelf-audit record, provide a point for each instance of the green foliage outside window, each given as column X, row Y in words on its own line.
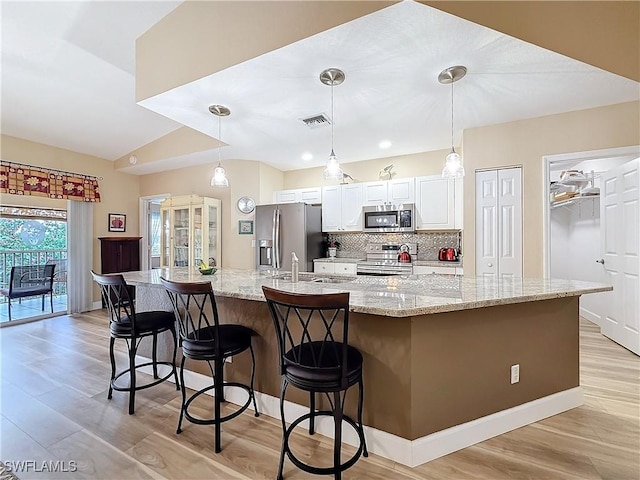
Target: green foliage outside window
column 29, row 234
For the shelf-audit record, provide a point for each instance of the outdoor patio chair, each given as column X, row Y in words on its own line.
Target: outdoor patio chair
column 29, row 281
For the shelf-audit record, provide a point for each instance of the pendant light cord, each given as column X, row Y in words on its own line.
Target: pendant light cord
column 332, row 120
column 219, row 140
column 452, row 114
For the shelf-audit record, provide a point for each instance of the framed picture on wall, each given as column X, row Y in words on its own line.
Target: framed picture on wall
column 117, row 222
column 245, row 227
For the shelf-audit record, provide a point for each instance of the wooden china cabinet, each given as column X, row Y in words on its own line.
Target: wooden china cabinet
column 120, row 254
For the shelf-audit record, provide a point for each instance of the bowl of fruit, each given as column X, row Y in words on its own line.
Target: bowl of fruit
column 205, row 269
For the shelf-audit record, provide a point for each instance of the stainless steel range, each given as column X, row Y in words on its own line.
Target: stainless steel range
column 384, row 259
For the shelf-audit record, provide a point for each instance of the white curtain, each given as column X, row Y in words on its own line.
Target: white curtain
column 80, row 247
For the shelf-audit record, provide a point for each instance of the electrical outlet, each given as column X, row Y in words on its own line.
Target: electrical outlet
column 515, row 373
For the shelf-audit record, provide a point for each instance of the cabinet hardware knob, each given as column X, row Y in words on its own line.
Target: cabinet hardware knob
column 601, row 261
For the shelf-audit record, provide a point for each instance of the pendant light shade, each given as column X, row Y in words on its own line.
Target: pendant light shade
column 453, row 164
column 332, row 77
column 219, row 178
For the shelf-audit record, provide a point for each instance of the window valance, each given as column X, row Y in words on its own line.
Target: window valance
column 22, row 179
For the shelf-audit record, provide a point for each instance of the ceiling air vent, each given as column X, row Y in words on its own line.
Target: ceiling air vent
column 316, row 121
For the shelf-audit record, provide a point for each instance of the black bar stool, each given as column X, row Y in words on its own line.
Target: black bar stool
column 202, row 337
column 313, row 333
column 132, row 326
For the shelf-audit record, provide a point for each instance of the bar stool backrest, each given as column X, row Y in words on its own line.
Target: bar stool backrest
column 312, row 331
column 195, row 308
column 117, row 297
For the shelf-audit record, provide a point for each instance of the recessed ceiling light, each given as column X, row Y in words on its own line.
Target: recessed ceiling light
column 306, row 156
column 384, row 144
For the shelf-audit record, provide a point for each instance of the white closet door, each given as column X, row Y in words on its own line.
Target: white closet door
column 619, row 234
column 486, row 227
column 499, row 223
column 510, row 222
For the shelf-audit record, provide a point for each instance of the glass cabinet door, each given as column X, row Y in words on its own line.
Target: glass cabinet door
column 181, row 237
column 212, row 234
column 165, row 238
column 198, row 255
column 190, row 231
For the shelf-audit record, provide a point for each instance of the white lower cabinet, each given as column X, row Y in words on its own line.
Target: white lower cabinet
column 425, row 270
column 335, row 267
column 323, row 267
column 345, row 268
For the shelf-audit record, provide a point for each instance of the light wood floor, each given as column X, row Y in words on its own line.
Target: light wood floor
column 54, row 407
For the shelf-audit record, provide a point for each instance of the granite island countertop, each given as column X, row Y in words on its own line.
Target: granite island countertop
column 394, row 296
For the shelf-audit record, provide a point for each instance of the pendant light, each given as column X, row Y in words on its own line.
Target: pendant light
column 332, row 77
column 219, row 178
column 453, row 167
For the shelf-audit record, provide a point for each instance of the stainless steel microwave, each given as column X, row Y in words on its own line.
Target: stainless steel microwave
column 389, row 218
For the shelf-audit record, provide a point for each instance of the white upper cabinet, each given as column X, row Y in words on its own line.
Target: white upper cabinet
column 342, row 208
column 388, row 191
column 401, row 190
column 311, row 195
column 331, row 211
column 374, row 193
column 352, row 207
column 438, row 203
column 284, row 196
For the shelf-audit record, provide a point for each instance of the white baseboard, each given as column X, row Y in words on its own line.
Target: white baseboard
column 398, row 449
column 589, row 315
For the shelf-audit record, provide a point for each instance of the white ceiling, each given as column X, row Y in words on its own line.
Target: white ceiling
column 68, row 80
column 68, row 74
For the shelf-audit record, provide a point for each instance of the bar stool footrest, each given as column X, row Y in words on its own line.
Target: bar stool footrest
column 212, row 421
column 118, row 388
column 323, row 470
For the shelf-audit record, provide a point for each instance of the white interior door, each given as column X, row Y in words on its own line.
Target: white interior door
column 486, row 223
column 499, row 223
column 620, row 238
column 510, row 223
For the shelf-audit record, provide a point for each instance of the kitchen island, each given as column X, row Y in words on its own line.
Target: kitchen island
column 438, row 350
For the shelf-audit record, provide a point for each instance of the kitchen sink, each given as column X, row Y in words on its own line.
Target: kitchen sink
column 314, row 279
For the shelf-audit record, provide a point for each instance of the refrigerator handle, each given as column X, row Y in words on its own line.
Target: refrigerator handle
column 276, row 238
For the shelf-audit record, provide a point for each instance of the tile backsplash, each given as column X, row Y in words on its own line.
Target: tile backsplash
column 353, row 245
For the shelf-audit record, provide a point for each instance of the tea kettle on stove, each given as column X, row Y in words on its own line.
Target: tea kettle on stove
column 404, row 256
column 448, row 255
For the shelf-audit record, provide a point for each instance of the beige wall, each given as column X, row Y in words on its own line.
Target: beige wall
column 185, row 45
column 118, row 191
column 602, row 33
column 180, row 142
column 246, row 178
column 525, row 143
column 270, row 179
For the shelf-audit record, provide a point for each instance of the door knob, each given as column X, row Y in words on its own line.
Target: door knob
column 489, row 264
column 601, row 261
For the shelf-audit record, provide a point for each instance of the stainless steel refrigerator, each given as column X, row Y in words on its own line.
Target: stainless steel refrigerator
column 285, row 228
